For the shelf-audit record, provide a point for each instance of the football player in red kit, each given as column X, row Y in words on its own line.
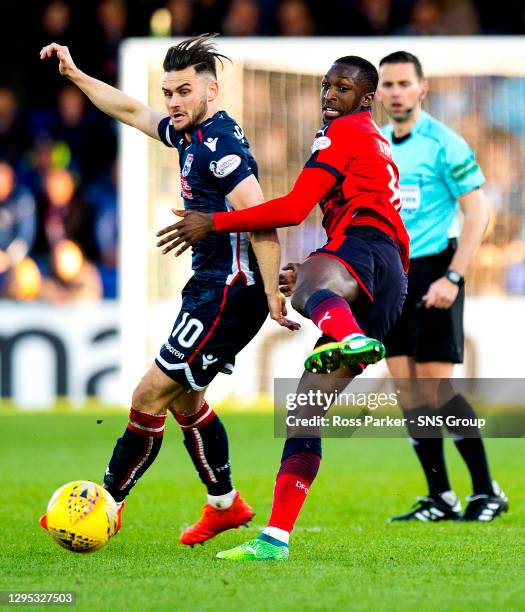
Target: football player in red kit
column 352, row 288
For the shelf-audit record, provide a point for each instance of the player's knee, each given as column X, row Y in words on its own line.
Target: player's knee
column 185, row 405
column 416, row 392
column 429, row 393
column 298, row 301
column 148, row 400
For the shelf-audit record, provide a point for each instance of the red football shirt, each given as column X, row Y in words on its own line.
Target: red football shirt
column 353, row 177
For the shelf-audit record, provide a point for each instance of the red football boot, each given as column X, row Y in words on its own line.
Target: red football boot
column 121, row 507
column 43, row 521
column 213, row 521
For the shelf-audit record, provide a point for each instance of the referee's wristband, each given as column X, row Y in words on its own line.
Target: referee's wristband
column 455, row 277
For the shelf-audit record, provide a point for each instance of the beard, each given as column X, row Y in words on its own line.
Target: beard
column 198, row 115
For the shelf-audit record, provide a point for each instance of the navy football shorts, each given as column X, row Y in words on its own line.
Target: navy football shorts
column 428, row 334
column 215, row 322
column 373, row 259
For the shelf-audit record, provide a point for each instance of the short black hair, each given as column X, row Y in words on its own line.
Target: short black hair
column 404, row 57
column 367, row 71
column 199, row 52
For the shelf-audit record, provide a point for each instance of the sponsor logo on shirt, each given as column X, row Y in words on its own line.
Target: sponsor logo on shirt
column 211, row 143
column 461, row 171
column 226, row 165
column 186, row 189
column 238, row 132
column 320, row 143
column 187, row 164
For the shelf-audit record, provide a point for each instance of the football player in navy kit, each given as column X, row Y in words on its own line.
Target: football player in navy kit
column 225, row 302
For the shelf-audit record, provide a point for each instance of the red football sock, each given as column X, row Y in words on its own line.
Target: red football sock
column 333, row 316
column 202, row 417
column 293, row 482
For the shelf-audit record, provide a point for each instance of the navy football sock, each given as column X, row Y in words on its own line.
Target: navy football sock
column 134, row 452
column 207, row 444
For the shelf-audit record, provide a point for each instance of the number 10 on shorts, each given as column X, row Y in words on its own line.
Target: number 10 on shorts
column 187, row 331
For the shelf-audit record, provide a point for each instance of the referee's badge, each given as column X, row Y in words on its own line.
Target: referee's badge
column 320, row 143
column 410, row 197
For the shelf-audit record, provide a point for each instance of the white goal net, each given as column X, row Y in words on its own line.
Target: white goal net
column 477, row 86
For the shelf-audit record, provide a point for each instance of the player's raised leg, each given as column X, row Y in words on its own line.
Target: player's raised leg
column 324, row 293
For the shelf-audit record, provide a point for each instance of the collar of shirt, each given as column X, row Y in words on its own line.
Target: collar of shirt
column 418, row 125
column 197, row 134
column 423, row 118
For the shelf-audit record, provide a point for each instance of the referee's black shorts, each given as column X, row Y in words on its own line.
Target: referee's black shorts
column 430, row 334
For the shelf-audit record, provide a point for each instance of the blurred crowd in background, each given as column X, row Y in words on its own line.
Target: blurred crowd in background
column 58, row 173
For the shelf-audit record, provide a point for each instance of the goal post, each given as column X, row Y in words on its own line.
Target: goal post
column 272, row 90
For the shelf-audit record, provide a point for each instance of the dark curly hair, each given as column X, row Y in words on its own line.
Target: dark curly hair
column 199, row 52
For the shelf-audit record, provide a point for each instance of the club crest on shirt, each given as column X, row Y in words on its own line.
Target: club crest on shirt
column 226, row 165
column 187, row 165
column 320, row 143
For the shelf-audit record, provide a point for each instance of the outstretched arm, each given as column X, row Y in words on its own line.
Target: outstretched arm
column 311, row 186
column 292, row 209
column 108, row 99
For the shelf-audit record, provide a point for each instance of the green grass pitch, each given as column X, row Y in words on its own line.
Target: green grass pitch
column 343, row 553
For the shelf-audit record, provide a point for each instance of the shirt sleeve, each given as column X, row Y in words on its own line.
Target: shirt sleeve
column 461, row 172
column 330, row 150
column 167, row 132
column 311, row 185
column 227, row 162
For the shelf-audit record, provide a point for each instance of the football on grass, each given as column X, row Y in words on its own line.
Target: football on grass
column 81, row 516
